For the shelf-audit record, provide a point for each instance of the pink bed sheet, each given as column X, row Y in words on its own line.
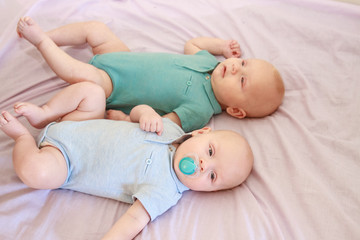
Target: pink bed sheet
column 305, row 182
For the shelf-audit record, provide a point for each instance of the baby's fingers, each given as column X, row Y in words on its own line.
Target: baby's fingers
column 235, row 48
column 152, row 126
column 156, row 126
column 146, row 126
column 3, row 120
column 160, row 128
column 234, row 44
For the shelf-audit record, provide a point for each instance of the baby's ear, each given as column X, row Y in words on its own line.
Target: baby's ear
column 236, row 112
column 201, row 131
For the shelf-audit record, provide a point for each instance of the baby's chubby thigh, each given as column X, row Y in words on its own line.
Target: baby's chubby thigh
column 105, row 82
column 91, row 73
column 48, row 169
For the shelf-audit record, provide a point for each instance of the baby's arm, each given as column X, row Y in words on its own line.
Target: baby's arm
column 148, row 119
column 215, row 46
column 129, row 224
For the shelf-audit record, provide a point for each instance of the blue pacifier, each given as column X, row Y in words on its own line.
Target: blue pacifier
column 189, row 165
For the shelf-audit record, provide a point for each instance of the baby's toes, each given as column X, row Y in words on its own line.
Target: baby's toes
column 3, row 120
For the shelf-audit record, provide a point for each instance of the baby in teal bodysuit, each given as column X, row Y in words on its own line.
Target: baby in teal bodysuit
column 183, row 87
column 196, row 85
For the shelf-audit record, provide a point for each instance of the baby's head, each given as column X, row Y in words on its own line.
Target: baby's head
column 247, row 87
column 225, row 160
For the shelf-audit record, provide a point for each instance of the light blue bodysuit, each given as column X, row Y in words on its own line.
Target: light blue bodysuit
column 118, row 160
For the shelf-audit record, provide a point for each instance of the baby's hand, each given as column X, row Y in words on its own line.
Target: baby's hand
column 231, row 49
column 151, row 122
column 148, row 119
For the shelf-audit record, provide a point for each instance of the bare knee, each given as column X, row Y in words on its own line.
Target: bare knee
column 96, row 26
column 97, row 33
column 102, row 39
column 97, row 101
column 93, row 91
column 92, row 105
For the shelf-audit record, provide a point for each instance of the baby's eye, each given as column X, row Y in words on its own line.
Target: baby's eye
column 212, row 176
column 243, row 63
column 211, row 152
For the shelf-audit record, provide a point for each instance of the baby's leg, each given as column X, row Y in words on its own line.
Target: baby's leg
column 38, row 168
column 66, row 67
column 100, row 38
column 81, row 101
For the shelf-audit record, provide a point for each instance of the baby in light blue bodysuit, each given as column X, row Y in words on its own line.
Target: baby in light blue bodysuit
column 118, row 159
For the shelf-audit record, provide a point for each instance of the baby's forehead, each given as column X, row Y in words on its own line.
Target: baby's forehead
column 230, row 140
column 226, row 133
column 260, row 63
column 234, row 142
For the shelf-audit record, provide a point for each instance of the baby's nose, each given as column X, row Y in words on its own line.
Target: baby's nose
column 203, row 165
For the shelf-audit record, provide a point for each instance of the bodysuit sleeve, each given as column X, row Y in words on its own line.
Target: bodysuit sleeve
column 194, row 116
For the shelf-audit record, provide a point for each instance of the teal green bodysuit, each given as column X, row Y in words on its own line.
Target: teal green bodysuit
column 166, row 82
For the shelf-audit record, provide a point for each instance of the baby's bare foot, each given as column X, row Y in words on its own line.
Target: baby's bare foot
column 11, row 126
column 117, row 115
column 34, row 114
column 30, row 30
